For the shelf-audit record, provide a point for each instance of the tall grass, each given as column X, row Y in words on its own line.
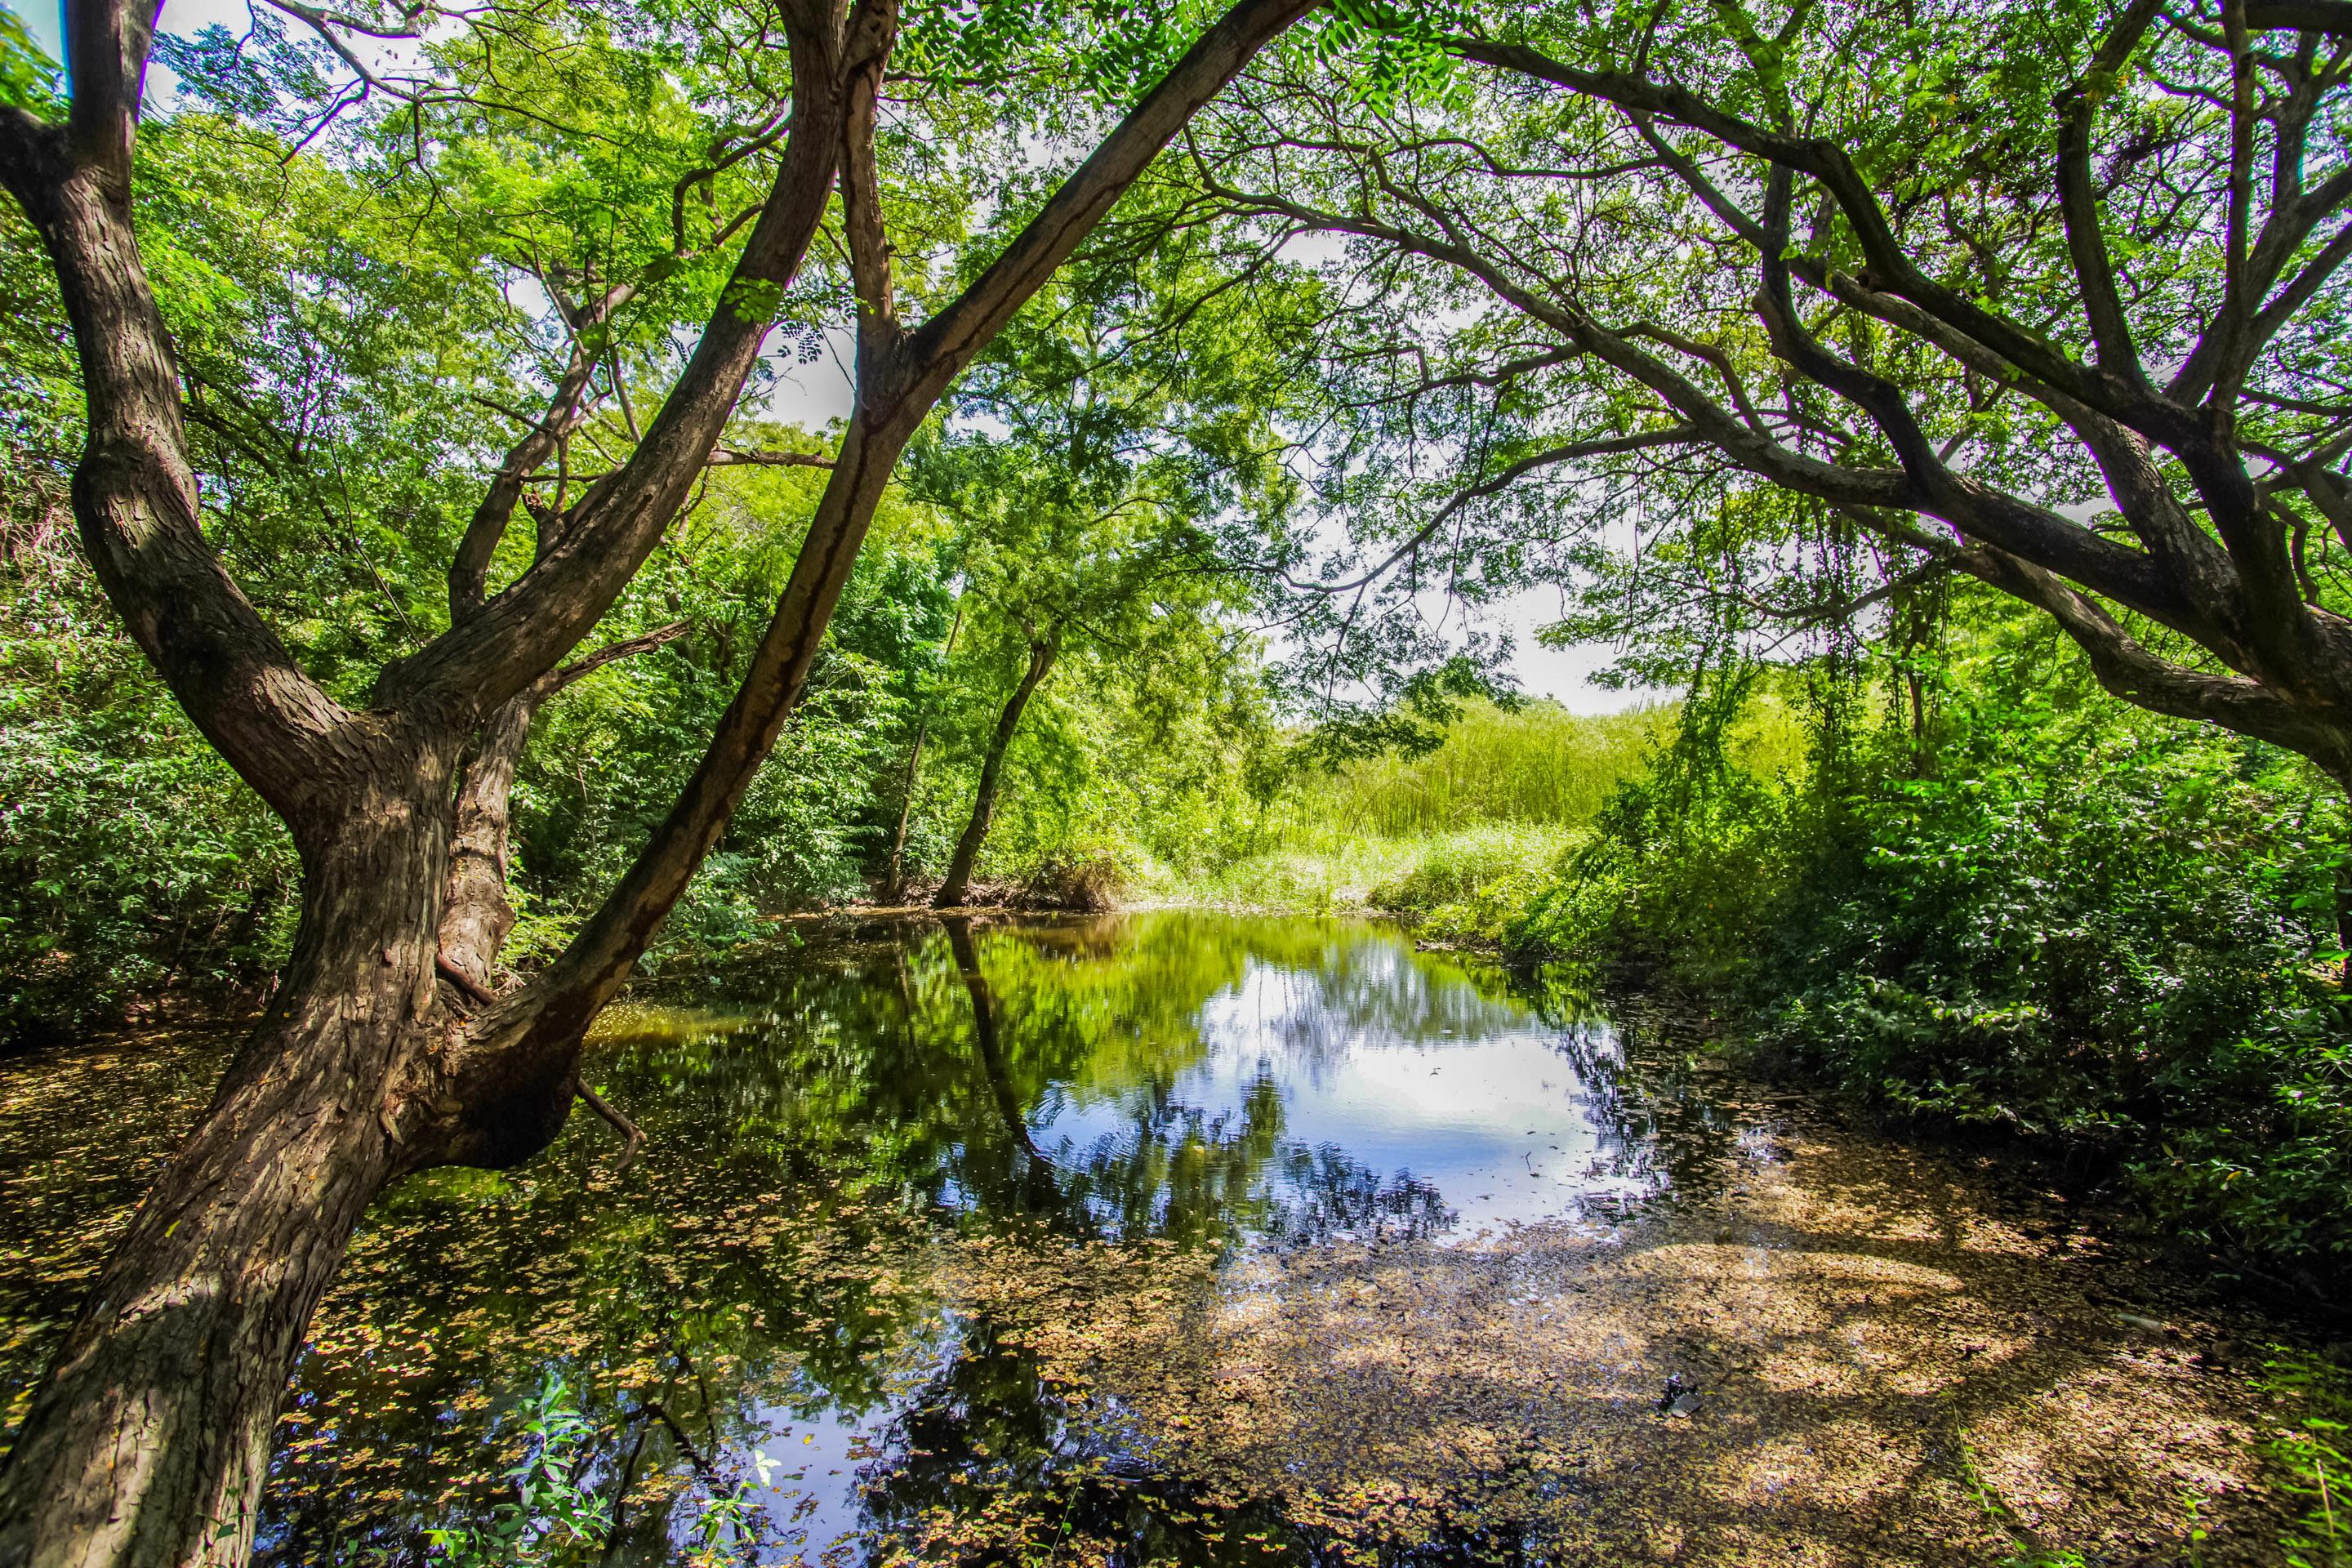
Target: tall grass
column 1537, row 762
column 1458, row 840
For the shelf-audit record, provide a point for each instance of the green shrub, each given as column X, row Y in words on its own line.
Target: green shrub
column 1474, row 883
column 132, row 860
column 2054, row 916
column 2310, row 1455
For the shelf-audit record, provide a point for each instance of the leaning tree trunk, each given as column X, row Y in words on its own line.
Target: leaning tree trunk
column 958, row 882
column 150, row 1440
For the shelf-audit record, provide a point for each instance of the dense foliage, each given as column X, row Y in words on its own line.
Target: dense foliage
column 2023, row 908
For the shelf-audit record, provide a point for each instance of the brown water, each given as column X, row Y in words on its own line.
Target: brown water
column 1187, row 1237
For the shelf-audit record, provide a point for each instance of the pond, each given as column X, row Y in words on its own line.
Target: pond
column 1181, row 1237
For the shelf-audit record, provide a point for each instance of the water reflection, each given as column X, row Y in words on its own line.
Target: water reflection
column 1185, row 1076
column 839, row 1124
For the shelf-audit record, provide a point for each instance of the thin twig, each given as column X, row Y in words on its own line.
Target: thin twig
column 472, row 988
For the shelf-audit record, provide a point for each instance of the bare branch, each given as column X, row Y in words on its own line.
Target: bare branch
column 737, row 456
column 612, row 653
column 2078, row 204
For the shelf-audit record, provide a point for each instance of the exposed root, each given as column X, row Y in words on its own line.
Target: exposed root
column 635, row 1134
column 473, row 989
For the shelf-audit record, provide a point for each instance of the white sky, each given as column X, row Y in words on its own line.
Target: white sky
column 813, row 396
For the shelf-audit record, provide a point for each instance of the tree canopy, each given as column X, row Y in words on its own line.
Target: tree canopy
column 421, row 388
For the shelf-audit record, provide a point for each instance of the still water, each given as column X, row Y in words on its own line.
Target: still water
column 1169, row 1237
column 838, row 1127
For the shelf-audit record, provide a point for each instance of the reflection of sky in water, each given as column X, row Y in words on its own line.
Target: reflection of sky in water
column 815, row 1120
column 1492, row 1112
column 1411, row 1081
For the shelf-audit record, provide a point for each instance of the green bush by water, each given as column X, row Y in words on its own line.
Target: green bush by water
column 1472, row 883
column 2047, row 914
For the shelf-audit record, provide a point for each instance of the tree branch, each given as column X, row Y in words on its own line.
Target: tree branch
column 741, row 457
column 947, row 343
column 2332, row 18
column 613, row 652
column 514, row 637
column 633, row 1138
column 2078, row 109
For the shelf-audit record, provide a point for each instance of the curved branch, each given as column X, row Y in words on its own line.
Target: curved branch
column 613, row 653
column 1678, row 435
column 607, row 535
column 1827, row 163
column 2078, row 204
column 135, row 493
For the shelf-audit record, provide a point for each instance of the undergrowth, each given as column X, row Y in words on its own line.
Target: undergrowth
column 2308, row 1455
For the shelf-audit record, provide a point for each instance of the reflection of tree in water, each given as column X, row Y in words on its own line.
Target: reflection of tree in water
column 1333, row 1197
column 1186, row 1172
column 989, row 1462
column 1178, row 1171
column 1661, row 1100
column 865, row 1091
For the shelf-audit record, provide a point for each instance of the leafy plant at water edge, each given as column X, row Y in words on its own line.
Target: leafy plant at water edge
column 2311, row 1452
column 554, row 1519
column 558, row 1518
column 2040, row 914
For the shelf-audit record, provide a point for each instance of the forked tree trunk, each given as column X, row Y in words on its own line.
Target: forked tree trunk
column 957, row 885
column 479, row 913
column 148, row 1442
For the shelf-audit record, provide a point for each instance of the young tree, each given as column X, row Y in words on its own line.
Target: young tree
column 1089, row 523
column 384, row 1050
column 1052, row 576
column 2051, row 297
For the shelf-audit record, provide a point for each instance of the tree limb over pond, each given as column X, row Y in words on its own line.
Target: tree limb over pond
column 2045, row 303
column 149, row 1442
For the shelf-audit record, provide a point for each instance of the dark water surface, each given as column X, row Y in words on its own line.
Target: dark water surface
column 931, row 1222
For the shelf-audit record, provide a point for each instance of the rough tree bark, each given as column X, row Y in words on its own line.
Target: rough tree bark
column 148, row 1442
column 477, row 914
column 957, row 884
